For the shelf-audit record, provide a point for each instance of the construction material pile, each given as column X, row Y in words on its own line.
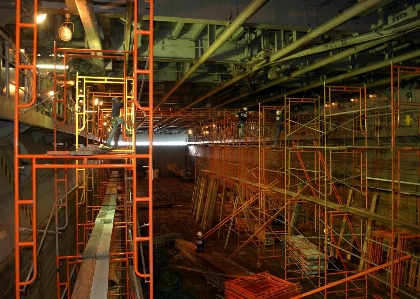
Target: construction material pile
column 305, row 255
column 260, row 286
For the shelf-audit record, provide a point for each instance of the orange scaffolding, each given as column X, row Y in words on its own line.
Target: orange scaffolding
column 321, row 166
column 90, row 165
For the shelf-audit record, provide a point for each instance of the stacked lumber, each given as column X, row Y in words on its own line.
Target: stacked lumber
column 305, row 254
column 211, row 263
column 259, row 286
column 204, row 200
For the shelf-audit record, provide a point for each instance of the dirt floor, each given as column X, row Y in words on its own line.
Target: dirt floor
column 172, row 214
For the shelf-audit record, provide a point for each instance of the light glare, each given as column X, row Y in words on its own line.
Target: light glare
column 41, row 18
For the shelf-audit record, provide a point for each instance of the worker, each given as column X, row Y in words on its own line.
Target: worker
column 200, row 243
column 242, row 117
column 279, row 125
column 116, row 120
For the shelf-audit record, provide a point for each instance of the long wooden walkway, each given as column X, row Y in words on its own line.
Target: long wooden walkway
column 92, row 279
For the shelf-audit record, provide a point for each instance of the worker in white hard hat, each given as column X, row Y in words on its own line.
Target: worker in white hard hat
column 242, row 115
column 279, row 125
column 200, row 243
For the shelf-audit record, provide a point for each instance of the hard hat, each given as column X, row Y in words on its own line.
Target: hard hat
column 200, row 234
column 114, row 99
column 278, row 112
column 245, row 109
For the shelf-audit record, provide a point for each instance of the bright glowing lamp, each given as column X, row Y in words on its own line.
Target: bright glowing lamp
column 41, row 18
column 65, row 33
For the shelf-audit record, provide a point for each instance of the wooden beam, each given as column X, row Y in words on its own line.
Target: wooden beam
column 344, row 222
column 92, row 279
column 368, row 232
column 332, row 205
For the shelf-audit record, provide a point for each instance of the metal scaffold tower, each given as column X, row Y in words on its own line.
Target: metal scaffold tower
column 101, row 204
column 330, row 199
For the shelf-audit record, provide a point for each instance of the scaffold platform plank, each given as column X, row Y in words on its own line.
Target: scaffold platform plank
column 76, row 153
column 212, row 262
column 92, row 279
column 89, row 150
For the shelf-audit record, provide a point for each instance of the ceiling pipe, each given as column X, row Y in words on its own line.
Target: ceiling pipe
column 248, row 12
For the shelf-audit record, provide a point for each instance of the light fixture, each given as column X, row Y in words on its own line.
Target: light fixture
column 51, row 66
column 41, row 18
column 65, row 32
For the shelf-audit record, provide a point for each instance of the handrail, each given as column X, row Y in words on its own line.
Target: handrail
column 363, row 273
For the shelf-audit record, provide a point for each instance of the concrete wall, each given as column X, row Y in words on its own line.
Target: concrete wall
column 163, row 155
column 44, row 285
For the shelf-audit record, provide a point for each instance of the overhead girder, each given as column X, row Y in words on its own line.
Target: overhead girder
column 248, row 12
column 85, row 10
column 333, row 58
column 106, row 26
column 177, row 30
column 72, row 7
column 196, row 30
column 128, row 29
column 349, row 74
column 353, row 11
column 338, row 78
column 345, row 42
column 329, row 25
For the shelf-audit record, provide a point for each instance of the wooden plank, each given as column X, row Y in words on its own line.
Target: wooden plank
column 332, row 205
column 84, row 280
column 212, row 204
column 294, row 218
column 216, row 260
column 304, row 253
column 235, row 204
column 99, row 287
column 195, row 195
column 207, row 203
column 92, row 279
column 368, row 232
column 58, row 153
column 202, row 192
column 222, row 208
column 344, row 222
